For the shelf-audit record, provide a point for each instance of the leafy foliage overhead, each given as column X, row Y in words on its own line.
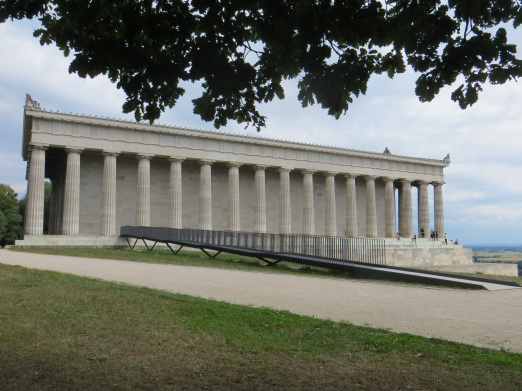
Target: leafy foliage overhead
column 242, row 50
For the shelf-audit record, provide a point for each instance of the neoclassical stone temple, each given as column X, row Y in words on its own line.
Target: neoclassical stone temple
column 106, row 173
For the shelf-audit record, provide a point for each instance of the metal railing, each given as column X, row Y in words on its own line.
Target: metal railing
column 361, row 250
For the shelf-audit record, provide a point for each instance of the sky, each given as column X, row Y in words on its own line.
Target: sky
column 483, row 190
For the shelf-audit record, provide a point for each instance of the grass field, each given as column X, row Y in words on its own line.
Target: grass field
column 62, row 332
column 499, row 256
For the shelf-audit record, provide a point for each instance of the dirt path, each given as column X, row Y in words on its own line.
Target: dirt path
column 484, row 318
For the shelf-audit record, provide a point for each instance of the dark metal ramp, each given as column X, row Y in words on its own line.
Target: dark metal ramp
column 304, row 250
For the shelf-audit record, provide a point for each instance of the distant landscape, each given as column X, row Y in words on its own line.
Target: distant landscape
column 496, row 247
column 501, row 253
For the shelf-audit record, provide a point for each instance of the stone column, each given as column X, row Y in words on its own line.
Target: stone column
column 175, row 193
column 351, row 207
column 330, row 206
column 405, row 209
column 71, row 199
column 439, row 209
column 205, row 195
column 233, row 223
column 308, row 200
column 260, row 200
column 143, row 207
column 423, row 209
column 285, row 211
column 390, row 225
column 371, row 208
column 34, row 209
column 108, row 214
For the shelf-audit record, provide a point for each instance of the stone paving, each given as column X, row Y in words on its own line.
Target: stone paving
column 484, row 318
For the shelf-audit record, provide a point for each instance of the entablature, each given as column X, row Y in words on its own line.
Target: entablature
column 98, row 134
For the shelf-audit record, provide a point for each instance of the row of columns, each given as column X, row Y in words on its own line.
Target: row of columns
column 71, row 208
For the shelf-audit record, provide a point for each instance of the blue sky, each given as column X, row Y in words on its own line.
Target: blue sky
column 483, row 191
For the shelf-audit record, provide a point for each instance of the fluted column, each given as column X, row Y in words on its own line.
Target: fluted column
column 371, row 208
column 423, row 208
column 285, row 216
column 405, row 209
column 108, row 215
column 175, row 193
column 143, row 206
column 260, row 200
column 330, row 206
column 34, row 209
column 308, row 208
column 71, row 199
column 351, row 207
column 390, row 225
column 439, row 209
column 205, row 195
column 233, row 197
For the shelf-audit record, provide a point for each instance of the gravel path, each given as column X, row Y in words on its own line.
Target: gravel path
column 483, row 318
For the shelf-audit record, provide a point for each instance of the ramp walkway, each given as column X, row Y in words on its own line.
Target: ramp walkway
column 361, row 257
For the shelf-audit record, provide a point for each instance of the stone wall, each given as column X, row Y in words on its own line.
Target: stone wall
column 425, row 253
column 91, row 173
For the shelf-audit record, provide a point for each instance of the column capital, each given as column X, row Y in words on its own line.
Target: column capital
column 234, row 164
column 387, row 179
column 330, row 173
column 74, row 150
column 308, row 171
column 206, row 162
column 175, row 159
column 348, row 175
column 110, row 153
column 145, row 156
column 43, row 147
column 405, row 181
column 260, row 167
column 284, row 169
column 438, row 183
column 370, row 177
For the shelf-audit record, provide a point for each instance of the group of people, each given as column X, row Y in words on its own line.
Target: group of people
column 434, row 235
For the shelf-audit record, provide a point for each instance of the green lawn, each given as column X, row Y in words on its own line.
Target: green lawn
column 62, row 332
column 187, row 258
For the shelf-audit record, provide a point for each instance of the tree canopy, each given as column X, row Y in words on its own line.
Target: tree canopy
column 10, row 217
column 242, row 50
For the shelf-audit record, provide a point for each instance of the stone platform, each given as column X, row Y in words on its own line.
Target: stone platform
column 91, row 241
column 439, row 256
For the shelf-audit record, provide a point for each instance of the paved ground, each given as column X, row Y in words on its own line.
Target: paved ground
column 484, row 318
